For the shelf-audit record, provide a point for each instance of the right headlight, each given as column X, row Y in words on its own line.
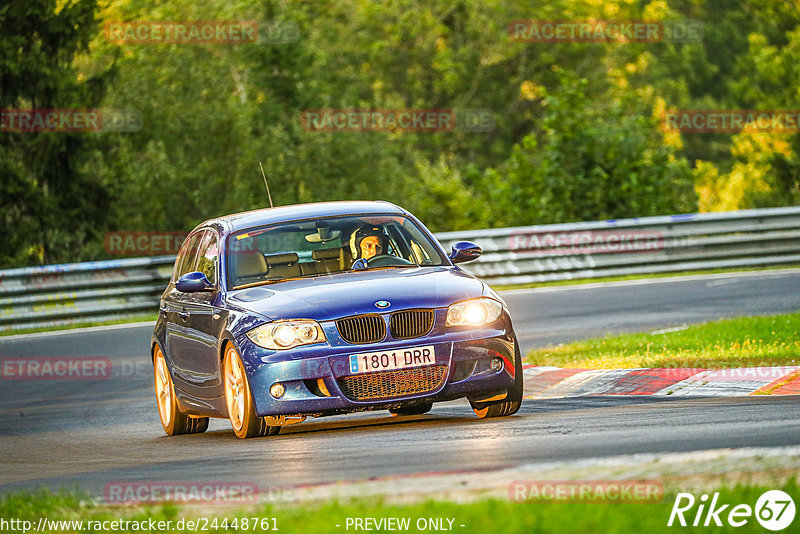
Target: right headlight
column 475, row 312
column 282, row 335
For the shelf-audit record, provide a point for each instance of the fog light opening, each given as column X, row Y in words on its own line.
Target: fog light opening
column 496, row 364
column 277, row 390
column 322, row 387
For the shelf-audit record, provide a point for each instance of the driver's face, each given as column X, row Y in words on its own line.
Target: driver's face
column 370, row 246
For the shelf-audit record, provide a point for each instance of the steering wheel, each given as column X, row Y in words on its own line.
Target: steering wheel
column 387, row 260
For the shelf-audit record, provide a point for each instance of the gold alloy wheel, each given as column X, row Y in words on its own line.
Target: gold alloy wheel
column 163, row 388
column 163, row 384
column 173, row 420
column 241, row 408
column 234, row 388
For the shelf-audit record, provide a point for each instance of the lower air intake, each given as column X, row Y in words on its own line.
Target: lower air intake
column 388, row 384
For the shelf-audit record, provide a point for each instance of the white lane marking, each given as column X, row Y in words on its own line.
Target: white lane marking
column 684, row 326
column 647, row 281
column 85, row 330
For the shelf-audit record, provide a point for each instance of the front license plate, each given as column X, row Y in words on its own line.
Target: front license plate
column 369, row 362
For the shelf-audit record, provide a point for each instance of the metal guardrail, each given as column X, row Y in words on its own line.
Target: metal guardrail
column 648, row 245
column 54, row 295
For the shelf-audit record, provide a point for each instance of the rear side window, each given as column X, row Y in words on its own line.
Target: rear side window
column 207, row 257
column 186, row 256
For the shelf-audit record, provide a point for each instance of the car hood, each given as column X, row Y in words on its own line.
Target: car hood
column 334, row 296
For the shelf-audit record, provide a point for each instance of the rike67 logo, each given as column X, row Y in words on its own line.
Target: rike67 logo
column 774, row 510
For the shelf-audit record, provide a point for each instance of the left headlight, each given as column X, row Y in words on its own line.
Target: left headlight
column 476, row 312
column 282, row 335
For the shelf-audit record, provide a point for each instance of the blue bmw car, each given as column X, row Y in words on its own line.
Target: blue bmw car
column 275, row 315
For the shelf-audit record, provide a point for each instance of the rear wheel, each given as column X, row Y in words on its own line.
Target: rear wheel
column 413, row 410
column 173, row 420
column 241, row 409
column 511, row 404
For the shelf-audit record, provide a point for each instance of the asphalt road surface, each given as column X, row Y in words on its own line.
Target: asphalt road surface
column 90, row 433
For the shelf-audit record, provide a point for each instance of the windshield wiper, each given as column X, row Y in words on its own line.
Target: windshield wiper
column 267, row 282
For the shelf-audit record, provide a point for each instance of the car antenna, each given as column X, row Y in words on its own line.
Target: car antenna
column 266, row 184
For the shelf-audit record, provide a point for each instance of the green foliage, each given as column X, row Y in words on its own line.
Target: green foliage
column 587, row 162
column 576, row 137
column 443, row 200
column 766, row 169
column 49, row 209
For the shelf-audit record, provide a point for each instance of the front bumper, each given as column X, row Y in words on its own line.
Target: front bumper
column 463, row 356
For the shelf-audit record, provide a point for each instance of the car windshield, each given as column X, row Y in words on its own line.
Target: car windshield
column 326, row 246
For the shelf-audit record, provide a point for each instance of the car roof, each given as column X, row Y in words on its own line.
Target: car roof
column 279, row 214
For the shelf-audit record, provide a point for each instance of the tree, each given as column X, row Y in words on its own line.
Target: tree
column 50, row 209
column 588, row 161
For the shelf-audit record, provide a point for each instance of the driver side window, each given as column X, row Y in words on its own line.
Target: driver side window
column 186, row 256
column 207, row 257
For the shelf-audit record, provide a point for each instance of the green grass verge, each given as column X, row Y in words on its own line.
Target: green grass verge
column 741, row 342
column 498, row 515
column 83, row 324
column 573, row 282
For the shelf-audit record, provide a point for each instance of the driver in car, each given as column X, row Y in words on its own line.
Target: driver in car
column 367, row 242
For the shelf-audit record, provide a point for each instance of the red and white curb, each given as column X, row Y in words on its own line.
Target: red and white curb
column 555, row 382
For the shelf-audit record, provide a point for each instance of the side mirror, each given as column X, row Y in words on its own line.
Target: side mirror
column 193, row 282
column 464, row 251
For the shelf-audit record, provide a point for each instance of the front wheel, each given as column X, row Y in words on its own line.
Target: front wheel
column 173, row 420
column 511, row 404
column 241, row 409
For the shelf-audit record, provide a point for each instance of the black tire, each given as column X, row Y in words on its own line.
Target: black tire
column 173, row 420
column 419, row 409
column 243, row 418
column 511, row 404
